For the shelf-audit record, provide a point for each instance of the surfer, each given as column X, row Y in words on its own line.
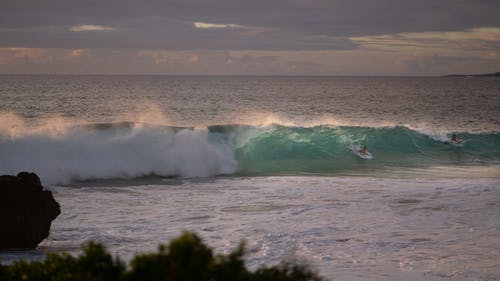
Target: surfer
column 456, row 140
column 362, row 151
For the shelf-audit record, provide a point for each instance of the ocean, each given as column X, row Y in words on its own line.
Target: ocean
column 134, row 160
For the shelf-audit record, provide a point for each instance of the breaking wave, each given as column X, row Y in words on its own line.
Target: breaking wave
column 131, row 150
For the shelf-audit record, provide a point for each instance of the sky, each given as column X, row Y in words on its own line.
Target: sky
column 250, row 37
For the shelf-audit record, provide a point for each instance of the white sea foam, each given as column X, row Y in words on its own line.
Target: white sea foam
column 432, row 134
column 348, row 228
column 80, row 153
column 65, row 151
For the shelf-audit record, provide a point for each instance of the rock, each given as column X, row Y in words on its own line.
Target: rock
column 26, row 211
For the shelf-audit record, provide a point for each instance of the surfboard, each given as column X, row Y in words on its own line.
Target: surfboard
column 355, row 149
column 456, row 142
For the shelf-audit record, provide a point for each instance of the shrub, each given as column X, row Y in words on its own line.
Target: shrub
column 186, row 258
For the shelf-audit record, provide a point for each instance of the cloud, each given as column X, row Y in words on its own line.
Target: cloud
column 33, row 54
column 485, row 39
column 74, row 54
column 230, row 24
column 483, row 34
column 240, row 36
column 90, row 27
column 204, row 25
column 242, row 62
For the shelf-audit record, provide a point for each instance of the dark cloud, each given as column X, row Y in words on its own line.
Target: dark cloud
column 263, row 25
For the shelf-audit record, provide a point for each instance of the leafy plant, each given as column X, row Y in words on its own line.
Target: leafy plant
column 186, row 258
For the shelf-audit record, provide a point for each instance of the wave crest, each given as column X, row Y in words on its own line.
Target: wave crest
column 131, row 150
column 83, row 153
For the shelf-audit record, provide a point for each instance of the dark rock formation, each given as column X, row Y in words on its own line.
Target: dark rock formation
column 26, row 211
column 496, row 74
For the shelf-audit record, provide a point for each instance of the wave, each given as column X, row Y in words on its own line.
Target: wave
column 324, row 149
column 128, row 150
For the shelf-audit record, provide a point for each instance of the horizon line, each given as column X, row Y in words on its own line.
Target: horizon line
column 243, row 75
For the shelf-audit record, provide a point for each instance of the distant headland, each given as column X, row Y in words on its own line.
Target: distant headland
column 496, row 74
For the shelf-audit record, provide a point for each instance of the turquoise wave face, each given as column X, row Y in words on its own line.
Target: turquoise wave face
column 323, row 149
column 128, row 150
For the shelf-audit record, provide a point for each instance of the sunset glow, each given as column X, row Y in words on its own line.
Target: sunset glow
column 287, row 38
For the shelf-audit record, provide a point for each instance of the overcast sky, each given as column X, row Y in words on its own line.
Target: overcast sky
column 284, row 37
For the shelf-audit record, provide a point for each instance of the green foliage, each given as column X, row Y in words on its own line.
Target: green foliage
column 94, row 264
column 186, row 258
column 285, row 272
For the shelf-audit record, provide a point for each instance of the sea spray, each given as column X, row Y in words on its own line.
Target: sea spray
column 84, row 153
